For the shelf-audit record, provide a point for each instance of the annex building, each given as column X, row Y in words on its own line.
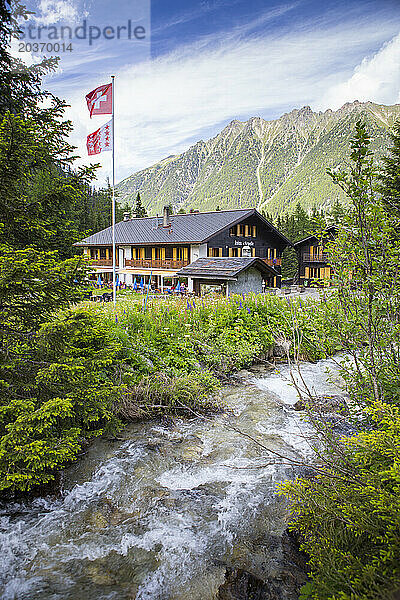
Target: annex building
column 162, row 246
column 313, row 258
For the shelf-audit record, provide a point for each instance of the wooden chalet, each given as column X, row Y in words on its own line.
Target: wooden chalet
column 164, row 245
column 233, row 275
column 313, row 258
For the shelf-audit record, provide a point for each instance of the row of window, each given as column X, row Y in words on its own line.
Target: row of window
column 100, row 253
column 270, row 253
column 160, row 253
column 243, row 231
column 179, row 253
column 317, row 273
column 146, row 252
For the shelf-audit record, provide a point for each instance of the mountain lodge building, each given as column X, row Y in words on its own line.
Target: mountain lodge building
column 164, row 245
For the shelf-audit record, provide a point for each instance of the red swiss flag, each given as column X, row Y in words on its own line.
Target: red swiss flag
column 99, row 101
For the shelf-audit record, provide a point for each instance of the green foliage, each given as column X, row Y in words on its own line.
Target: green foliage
column 38, row 193
column 41, row 427
column 65, row 396
column 390, row 175
column 139, row 209
column 33, row 284
column 348, row 515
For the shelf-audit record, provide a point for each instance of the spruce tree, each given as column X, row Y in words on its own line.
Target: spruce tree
column 389, row 184
column 336, row 213
column 140, row 210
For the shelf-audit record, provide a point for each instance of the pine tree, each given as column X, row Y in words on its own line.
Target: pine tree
column 390, row 176
column 140, row 210
column 301, row 223
column 336, row 212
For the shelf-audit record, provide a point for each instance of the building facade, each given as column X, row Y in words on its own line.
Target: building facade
column 161, row 246
column 313, row 258
column 233, row 275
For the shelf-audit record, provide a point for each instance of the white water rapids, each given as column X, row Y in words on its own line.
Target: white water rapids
column 160, row 514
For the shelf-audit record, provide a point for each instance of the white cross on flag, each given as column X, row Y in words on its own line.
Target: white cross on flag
column 99, row 101
column 100, row 140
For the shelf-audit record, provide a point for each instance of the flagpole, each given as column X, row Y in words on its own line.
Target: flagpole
column 113, row 195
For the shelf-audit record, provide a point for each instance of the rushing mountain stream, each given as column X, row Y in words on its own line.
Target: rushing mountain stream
column 165, row 512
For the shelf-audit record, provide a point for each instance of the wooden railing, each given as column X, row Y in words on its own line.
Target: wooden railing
column 272, row 262
column 101, row 262
column 165, row 263
column 315, row 258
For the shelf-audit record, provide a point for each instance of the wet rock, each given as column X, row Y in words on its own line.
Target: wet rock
column 192, row 453
column 332, row 410
column 98, row 520
column 281, row 348
column 283, row 576
column 332, row 404
column 324, row 404
column 299, row 405
column 243, row 374
column 241, row 585
column 99, row 576
column 261, row 369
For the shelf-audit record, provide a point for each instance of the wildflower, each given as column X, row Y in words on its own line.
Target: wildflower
column 240, row 304
column 248, row 310
column 116, row 319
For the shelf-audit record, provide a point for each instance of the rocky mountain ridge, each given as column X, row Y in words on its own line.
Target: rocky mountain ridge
column 271, row 165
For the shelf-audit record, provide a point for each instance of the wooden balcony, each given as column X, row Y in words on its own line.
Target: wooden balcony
column 315, row 258
column 101, row 262
column 273, row 262
column 166, row 263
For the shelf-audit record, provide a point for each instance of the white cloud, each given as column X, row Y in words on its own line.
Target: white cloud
column 51, row 12
column 164, row 105
column 376, row 78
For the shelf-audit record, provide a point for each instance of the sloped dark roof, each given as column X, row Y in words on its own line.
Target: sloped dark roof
column 331, row 230
column 224, row 268
column 190, row 228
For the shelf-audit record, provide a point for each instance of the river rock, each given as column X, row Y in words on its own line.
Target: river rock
column 285, row 574
column 193, row 452
column 324, row 404
column 281, row 348
column 99, row 576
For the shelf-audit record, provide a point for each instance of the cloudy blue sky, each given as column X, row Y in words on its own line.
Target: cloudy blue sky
column 202, row 64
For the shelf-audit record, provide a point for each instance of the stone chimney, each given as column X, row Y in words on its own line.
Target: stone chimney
column 127, row 216
column 166, row 215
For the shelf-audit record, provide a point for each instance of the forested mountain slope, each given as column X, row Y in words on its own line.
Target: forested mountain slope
column 272, row 165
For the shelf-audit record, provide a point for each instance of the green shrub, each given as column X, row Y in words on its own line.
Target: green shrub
column 348, row 518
